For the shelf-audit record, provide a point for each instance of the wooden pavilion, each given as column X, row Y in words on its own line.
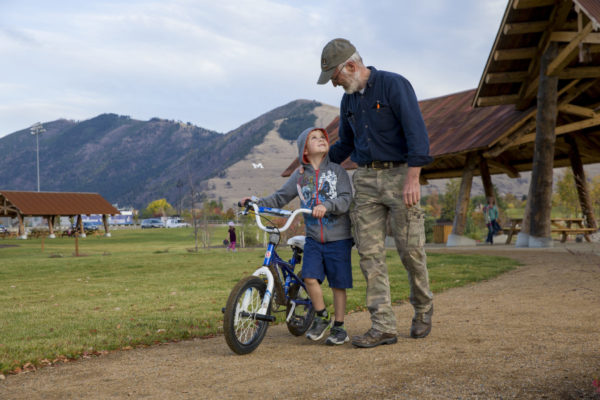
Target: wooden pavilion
column 49, row 205
column 537, row 107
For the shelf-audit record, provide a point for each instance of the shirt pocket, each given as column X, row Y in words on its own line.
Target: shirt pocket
column 382, row 116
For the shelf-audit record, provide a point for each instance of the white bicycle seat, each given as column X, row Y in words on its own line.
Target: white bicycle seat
column 297, row 241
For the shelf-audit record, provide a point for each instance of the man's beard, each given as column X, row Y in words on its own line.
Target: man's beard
column 353, row 84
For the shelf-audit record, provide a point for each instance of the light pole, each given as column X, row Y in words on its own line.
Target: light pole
column 36, row 129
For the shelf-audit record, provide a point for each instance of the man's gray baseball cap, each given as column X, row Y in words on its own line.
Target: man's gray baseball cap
column 334, row 53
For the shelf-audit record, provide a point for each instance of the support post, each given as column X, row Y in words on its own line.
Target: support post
column 540, row 198
column 456, row 238
column 486, row 179
column 50, row 219
column 581, row 183
column 105, row 222
column 80, row 226
column 22, row 234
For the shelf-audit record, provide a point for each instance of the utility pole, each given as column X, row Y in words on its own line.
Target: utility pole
column 36, row 130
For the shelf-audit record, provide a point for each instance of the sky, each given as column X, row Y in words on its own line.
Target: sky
column 221, row 64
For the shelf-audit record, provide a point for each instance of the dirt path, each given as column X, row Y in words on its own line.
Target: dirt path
column 532, row 333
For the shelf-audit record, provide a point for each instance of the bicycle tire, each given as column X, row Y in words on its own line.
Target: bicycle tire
column 244, row 334
column 303, row 316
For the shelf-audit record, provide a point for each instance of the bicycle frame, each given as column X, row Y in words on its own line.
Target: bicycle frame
column 271, row 256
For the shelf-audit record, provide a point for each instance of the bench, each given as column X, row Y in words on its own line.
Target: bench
column 557, row 227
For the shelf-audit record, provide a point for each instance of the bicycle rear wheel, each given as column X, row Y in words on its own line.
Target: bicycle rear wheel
column 243, row 332
column 303, row 315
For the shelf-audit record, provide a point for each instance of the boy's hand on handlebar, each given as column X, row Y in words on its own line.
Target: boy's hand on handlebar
column 319, row 211
column 242, row 203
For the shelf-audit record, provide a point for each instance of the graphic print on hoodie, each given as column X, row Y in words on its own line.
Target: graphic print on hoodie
column 329, row 185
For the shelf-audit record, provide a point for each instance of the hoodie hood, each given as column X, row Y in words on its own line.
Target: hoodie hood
column 301, row 142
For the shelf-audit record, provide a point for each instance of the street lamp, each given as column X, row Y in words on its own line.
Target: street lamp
column 36, row 129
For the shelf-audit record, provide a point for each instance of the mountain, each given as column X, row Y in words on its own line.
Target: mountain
column 132, row 162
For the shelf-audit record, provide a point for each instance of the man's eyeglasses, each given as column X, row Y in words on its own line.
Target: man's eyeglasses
column 336, row 75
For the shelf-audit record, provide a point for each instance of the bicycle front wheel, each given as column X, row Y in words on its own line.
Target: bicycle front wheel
column 303, row 314
column 243, row 332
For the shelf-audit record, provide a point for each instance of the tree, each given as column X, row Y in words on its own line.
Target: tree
column 433, row 206
column 566, row 197
column 449, row 199
column 595, row 194
column 160, row 208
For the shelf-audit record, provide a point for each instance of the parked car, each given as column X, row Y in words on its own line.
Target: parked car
column 3, row 229
column 176, row 223
column 152, row 223
column 88, row 226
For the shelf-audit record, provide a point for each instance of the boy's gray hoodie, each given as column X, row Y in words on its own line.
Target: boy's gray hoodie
column 329, row 185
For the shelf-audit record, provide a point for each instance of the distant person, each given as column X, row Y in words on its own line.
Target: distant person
column 382, row 130
column 490, row 213
column 232, row 237
column 324, row 187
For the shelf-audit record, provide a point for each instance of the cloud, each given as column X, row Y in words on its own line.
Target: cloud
column 220, row 64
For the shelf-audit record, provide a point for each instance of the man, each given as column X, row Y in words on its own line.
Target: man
column 382, row 129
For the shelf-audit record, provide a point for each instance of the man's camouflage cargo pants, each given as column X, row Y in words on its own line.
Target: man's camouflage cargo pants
column 378, row 195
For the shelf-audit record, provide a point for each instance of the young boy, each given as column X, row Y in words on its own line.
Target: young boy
column 325, row 188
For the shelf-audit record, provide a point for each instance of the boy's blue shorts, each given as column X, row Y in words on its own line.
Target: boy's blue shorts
column 331, row 259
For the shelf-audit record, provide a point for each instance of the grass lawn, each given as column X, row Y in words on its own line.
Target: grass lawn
column 145, row 287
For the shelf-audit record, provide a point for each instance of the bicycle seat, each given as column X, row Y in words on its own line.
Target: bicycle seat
column 297, row 241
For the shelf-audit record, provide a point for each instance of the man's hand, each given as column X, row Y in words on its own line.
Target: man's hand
column 319, row 211
column 412, row 187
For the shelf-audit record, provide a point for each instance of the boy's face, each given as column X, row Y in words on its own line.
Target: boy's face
column 316, row 143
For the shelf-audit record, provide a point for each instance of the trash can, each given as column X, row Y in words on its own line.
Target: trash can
column 441, row 231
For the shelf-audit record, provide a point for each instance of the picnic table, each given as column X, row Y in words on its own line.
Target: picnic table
column 564, row 226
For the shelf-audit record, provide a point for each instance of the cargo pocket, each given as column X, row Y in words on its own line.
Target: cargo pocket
column 415, row 227
column 354, row 223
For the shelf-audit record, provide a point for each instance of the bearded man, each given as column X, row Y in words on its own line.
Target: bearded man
column 382, row 130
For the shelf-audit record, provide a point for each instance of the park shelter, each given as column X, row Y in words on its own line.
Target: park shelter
column 537, row 107
column 49, row 205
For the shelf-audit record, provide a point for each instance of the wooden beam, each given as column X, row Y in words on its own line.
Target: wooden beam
column 497, row 100
column 594, row 48
column 577, row 110
column 527, row 93
column 506, row 77
column 522, row 4
column 590, row 144
column 562, row 36
column 562, row 129
column 525, row 27
column 577, row 126
column 507, row 169
column 515, row 54
column 567, row 54
column 579, row 73
column 518, row 130
column 486, row 178
column 580, row 182
column 464, row 195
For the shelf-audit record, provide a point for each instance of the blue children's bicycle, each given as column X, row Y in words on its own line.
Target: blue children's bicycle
column 274, row 287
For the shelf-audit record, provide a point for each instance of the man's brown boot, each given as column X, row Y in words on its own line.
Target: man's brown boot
column 373, row 338
column 421, row 324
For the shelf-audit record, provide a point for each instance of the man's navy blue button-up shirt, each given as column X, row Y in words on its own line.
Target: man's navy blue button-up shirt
column 384, row 123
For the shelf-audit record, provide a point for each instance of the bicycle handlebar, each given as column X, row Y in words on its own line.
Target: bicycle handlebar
column 276, row 212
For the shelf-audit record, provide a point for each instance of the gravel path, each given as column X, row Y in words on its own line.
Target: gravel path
column 533, row 333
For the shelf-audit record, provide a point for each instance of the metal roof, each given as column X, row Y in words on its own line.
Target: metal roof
column 53, row 203
column 591, row 8
column 454, row 126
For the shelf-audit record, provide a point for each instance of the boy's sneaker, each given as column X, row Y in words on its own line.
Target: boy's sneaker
column 318, row 328
column 337, row 335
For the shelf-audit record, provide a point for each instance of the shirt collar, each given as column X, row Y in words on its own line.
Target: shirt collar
column 372, row 77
